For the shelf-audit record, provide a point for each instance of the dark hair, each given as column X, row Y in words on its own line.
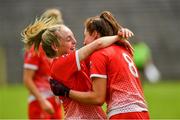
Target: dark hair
column 106, row 25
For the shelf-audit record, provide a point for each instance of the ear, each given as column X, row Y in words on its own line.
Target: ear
column 95, row 35
column 54, row 47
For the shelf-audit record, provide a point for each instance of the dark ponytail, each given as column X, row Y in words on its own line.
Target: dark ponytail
column 109, row 18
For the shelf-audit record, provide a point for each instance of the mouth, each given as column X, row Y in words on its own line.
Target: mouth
column 73, row 49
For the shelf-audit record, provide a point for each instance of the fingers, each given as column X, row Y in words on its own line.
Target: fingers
column 47, row 106
column 128, row 33
column 50, row 108
column 125, row 33
column 51, row 111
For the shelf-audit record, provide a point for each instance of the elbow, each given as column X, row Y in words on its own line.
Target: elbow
column 99, row 44
column 99, row 101
column 25, row 82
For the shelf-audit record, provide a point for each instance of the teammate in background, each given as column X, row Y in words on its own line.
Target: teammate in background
column 144, row 62
column 68, row 65
column 42, row 102
column 114, row 75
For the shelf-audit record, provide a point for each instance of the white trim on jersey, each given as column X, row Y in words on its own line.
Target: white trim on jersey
column 45, row 94
column 134, row 107
column 98, row 75
column 30, row 66
column 77, row 61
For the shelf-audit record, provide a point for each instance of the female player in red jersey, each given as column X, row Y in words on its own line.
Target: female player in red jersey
column 115, row 78
column 42, row 102
column 68, row 66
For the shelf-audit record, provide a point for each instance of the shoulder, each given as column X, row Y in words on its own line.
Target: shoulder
column 102, row 50
column 98, row 53
column 64, row 59
column 30, row 54
column 107, row 50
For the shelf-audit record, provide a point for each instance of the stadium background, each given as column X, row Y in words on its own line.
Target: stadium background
column 157, row 22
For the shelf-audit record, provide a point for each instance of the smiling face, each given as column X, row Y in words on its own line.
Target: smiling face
column 67, row 40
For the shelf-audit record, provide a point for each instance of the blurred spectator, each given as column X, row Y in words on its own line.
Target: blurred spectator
column 42, row 102
column 144, row 61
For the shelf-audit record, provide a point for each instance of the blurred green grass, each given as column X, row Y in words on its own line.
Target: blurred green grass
column 163, row 100
column 13, row 102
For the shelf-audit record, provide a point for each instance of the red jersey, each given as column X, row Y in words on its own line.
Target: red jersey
column 40, row 63
column 71, row 72
column 124, row 92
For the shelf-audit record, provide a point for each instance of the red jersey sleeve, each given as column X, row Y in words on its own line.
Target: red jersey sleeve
column 98, row 62
column 65, row 66
column 31, row 59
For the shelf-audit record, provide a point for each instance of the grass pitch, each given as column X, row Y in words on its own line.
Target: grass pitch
column 163, row 100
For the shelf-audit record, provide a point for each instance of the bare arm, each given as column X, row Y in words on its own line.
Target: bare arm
column 102, row 42
column 29, row 83
column 96, row 96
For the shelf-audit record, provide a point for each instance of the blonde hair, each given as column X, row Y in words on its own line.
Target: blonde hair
column 55, row 14
column 50, row 38
column 32, row 34
column 42, row 31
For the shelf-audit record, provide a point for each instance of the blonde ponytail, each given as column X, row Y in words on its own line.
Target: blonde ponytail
column 32, row 34
column 55, row 14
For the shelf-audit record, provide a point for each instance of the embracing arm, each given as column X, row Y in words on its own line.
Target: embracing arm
column 103, row 42
column 96, row 96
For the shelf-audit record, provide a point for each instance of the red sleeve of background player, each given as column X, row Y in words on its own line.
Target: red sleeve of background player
column 31, row 59
column 98, row 63
column 65, row 66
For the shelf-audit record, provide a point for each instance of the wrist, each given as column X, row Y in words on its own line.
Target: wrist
column 41, row 99
column 67, row 92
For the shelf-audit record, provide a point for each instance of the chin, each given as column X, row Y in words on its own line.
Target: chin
column 71, row 51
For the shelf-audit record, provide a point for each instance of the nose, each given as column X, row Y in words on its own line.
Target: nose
column 74, row 41
column 84, row 43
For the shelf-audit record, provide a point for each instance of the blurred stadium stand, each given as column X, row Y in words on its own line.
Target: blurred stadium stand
column 157, row 22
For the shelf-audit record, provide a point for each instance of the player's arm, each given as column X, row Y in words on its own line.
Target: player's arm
column 102, row 42
column 28, row 76
column 99, row 82
column 28, row 81
column 95, row 45
column 96, row 96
